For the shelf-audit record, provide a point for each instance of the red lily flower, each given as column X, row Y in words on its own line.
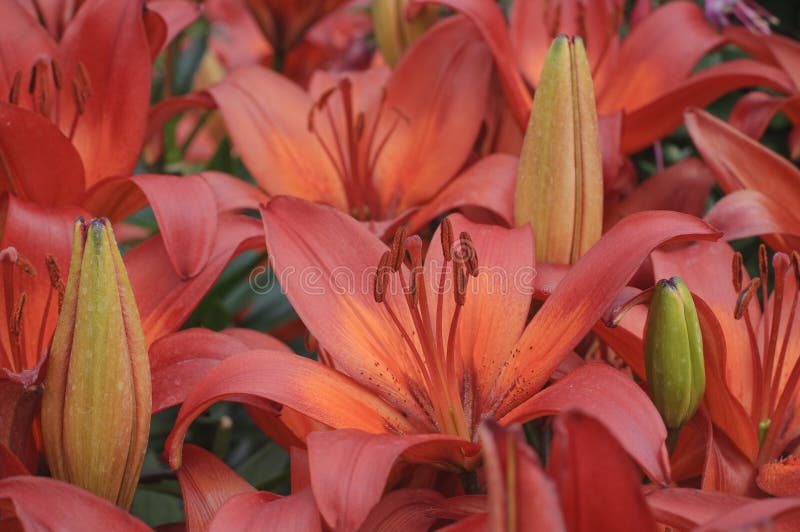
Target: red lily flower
column 283, row 23
column 418, row 373
column 382, row 147
column 642, row 82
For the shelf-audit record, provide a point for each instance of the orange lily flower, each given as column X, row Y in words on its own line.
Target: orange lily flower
column 642, row 82
column 383, row 147
column 416, row 371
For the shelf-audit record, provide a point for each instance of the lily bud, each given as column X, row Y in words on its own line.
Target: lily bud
column 676, row 375
column 560, row 180
column 97, row 399
column 394, row 32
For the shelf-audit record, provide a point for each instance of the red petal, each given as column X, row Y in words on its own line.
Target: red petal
column 233, row 194
column 489, row 19
column 685, row 508
column 178, row 361
column 49, row 181
column 753, row 112
column 757, row 514
column 42, row 504
column 683, row 187
column 726, row 468
column 256, row 378
column 188, row 232
column 206, row 483
column 746, row 213
column 164, row 299
column 350, row 468
column 560, row 323
column 404, row 509
column 488, row 184
column 109, row 39
column 598, row 486
column 656, row 56
column 438, row 122
column 253, row 511
column 661, row 114
column 24, row 40
column 267, row 119
column 10, row 466
column 519, row 491
column 177, row 15
column 615, row 400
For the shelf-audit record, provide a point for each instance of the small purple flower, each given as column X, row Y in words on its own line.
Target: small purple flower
column 754, row 17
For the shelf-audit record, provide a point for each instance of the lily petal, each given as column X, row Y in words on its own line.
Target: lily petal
column 165, row 300
column 350, row 468
column 489, row 19
column 110, row 133
column 616, row 401
column 488, row 184
column 267, row 118
column 258, row 378
column 177, row 15
column 519, row 491
column 438, row 123
column 178, row 361
column 598, row 486
column 39, row 504
column 206, row 483
column 30, row 176
column 249, row 512
column 746, row 213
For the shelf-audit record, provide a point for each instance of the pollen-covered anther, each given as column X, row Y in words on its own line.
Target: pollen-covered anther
column 736, row 271
column 55, row 279
column 382, row 277
column 447, row 239
column 13, row 93
column 469, row 253
column 744, row 298
column 398, row 250
column 15, row 327
column 460, row 282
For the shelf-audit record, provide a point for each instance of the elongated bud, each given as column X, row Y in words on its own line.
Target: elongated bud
column 394, row 31
column 560, row 181
column 97, row 399
column 674, row 353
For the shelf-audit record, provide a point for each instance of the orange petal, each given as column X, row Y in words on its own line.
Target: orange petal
column 206, row 483
column 250, row 512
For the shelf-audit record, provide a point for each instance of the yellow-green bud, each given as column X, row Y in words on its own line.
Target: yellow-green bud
column 676, row 375
column 560, row 181
column 394, row 32
column 97, row 399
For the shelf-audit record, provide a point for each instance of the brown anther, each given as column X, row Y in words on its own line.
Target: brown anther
column 382, row 276
column 56, row 73
column 80, row 103
column 359, row 125
column 55, row 279
column 398, row 248
column 796, row 268
column 736, row 271
column 447, row 239
column 460, row 282
column 469, row 253
column 13, row 93
column 33, row 80
column 744, row 298
column 85, row 82
column 16, row 319
column 763, row 262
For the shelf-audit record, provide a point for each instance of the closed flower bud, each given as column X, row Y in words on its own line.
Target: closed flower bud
column 394, row 32
column 674, row 353
column 97, row 399
column 560, row 181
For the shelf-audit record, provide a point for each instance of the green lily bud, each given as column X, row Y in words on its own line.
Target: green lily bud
column 560, row 181
column 394, row 32
column 676, row 375
column 97, row 399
